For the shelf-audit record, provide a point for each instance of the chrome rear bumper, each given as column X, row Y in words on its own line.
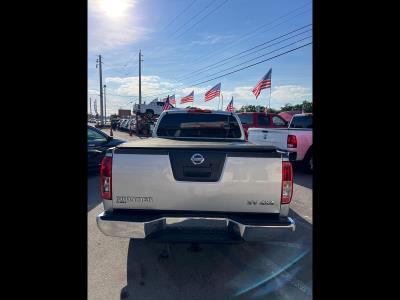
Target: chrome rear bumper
column 193, row 228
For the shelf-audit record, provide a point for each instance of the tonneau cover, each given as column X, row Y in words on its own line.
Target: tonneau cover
column 166, row 143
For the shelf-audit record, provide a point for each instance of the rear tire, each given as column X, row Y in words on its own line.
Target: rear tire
column 308, row 163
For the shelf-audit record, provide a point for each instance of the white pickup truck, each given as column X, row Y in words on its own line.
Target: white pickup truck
column 297, row 139
column 196, row 180
column 154, row 107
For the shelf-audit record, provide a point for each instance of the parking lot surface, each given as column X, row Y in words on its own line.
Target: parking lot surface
column 120, row 268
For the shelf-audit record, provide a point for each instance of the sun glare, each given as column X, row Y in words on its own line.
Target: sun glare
column 115, row 8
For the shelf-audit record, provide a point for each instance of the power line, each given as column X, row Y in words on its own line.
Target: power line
column 280, row 54
column 182, row 26
column 160, row 94
column 135, row 63
column 194, row 17
column 228, row 58
column 215, row 65
column 249, row 66
column 175, row 18
column 258, row 57
column 113, row 95
column 252, row 32
column 214, row 10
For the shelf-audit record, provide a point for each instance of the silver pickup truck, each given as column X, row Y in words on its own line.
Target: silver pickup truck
column 196, row 180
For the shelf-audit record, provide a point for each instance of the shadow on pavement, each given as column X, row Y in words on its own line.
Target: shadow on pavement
column 93, row 192
column 301, row 177
column 279, row 269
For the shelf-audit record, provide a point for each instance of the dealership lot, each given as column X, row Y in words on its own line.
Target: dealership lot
column 123, row 269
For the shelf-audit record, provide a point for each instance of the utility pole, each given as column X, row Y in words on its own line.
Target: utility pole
column 105, row 110
column 98, row 64
column 140, row 78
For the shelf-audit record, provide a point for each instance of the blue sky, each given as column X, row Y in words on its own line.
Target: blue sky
column 174, row 48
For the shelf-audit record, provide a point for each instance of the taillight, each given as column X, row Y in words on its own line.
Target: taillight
column 291, row 141
column 106, row 178
column 287, row 182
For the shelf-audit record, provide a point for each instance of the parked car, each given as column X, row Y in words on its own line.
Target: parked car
column 98, row 143
column 127, row 124
column 288, row 115
column 132, row 125
column 118, row 123
column 297, row 139
column 122, row 125
column 196, row 180
column 261, row 120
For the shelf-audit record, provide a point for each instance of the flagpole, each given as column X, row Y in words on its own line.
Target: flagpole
column 222, row 104
column 270, row 92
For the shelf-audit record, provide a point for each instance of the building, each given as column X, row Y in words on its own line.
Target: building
column 124, row 113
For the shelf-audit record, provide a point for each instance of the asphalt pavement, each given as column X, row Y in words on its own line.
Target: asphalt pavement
column 119, row 268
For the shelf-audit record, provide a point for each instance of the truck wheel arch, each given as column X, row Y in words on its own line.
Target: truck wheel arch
column 307, row 158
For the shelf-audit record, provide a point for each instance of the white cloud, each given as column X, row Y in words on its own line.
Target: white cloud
column 150, row 85
column 290, row 94
column 211, row 39
column 154, row 86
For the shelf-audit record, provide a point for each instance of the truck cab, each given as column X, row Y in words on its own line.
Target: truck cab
column 261, row 120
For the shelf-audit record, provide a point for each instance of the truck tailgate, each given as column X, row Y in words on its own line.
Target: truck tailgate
column 228, row 180
column 276, row 137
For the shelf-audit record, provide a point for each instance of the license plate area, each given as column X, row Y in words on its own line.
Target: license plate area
column 184, row 169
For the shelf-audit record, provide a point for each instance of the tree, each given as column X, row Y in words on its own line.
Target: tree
column 287, row 107
column 272, row 111
column 306, row 106
column 252, row 108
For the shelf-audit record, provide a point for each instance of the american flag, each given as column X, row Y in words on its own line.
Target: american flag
column 230, row 106
column 264, row 83
column 188, row 98
column 214, row 92
column 167, row 104
column 171, row 99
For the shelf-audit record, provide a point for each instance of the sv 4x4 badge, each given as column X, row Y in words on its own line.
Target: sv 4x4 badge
column 262, row 202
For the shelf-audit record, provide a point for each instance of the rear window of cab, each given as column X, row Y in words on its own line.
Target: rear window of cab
column 199, row 125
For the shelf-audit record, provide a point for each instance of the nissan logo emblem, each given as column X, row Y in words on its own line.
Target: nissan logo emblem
column 197, row 159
